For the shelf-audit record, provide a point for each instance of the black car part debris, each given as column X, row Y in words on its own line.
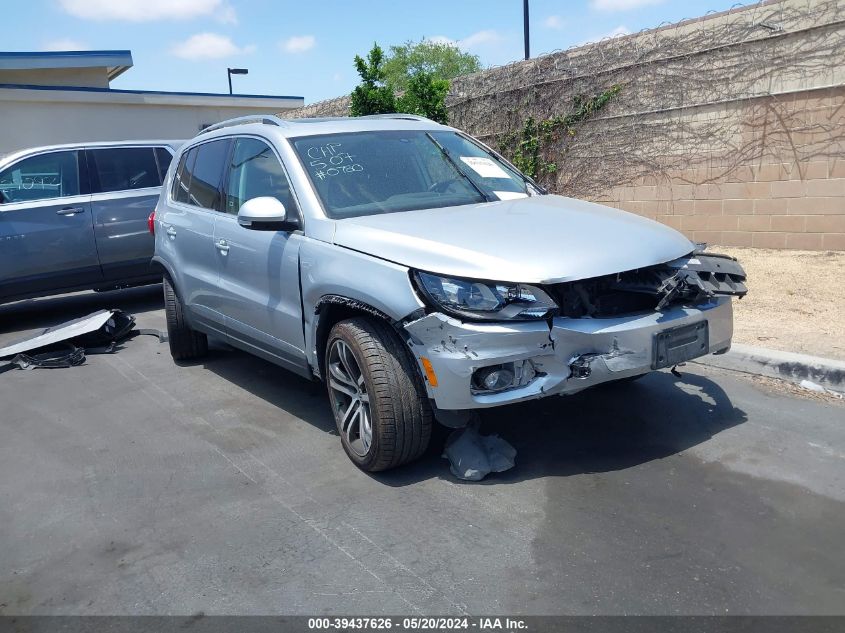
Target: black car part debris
column 67, row 344
column 690, row 280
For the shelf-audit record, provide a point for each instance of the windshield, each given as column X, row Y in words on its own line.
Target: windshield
column 364, row 173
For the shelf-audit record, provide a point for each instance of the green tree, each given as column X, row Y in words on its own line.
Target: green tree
column 425, row 96
column 372, row 95
column 442, row 60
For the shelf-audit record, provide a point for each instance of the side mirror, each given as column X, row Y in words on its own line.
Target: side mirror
column 263, row 214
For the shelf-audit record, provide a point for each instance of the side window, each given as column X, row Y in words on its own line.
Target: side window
column 125, row 168
column 163, row 157
column 42, row 177
column 207, row 174
column 182, row 179
column 255, row 171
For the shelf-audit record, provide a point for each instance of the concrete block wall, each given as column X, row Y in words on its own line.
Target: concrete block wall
column 781, row 200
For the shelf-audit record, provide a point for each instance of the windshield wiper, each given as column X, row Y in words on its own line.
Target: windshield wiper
column 528, row 182
column 445, row 152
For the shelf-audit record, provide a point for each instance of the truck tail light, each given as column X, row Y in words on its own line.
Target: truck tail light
column 151, row 222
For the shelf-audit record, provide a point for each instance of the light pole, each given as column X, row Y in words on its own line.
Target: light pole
column 525, row 27
column 240, row 71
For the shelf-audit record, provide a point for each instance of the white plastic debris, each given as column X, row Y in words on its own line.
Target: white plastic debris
column 812, row 386
column 472, row 455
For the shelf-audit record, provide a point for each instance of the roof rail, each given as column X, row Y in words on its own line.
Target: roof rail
column 266, row 119
column 397, row 115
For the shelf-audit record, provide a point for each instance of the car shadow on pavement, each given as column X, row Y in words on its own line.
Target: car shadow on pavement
column 297, row 396
column 608, row 428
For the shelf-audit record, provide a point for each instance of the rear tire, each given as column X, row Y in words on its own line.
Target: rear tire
column 185, row 343
column 379, row 402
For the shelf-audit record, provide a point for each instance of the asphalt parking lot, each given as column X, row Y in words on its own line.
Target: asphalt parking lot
column 133, row 485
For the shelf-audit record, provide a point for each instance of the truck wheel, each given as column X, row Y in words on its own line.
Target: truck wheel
column 185, row 343
column 377, row 397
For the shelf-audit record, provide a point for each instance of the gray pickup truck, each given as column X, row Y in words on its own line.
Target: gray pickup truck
column 74, row 217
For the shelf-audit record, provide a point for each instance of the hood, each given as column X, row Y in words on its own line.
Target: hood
column 542, row 239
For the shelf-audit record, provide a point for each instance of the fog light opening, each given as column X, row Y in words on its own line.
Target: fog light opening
column 496, row 378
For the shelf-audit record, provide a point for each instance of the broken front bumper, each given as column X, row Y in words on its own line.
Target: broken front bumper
column 609, row 349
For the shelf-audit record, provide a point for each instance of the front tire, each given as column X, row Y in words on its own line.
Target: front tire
column 185, row 343
column 377, row 397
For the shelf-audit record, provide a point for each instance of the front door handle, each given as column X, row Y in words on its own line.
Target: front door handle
column 222, row 246
column 70, row 210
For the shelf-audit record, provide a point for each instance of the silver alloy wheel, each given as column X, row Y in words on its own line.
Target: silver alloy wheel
column 350, row 400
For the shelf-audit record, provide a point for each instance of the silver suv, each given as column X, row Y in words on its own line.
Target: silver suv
column 74, row 217
column 419, row 274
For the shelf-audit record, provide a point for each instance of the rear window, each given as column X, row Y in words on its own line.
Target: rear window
column 124, row 169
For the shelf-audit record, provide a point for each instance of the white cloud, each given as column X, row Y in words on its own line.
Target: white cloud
column 65, row 44
column 209, row 46
column 553, row 22
column 619, row 31
column 226, row 15
column 298, row 43
column 481, row 37
column 149, row 10
column 475, row 40
column 621, row 5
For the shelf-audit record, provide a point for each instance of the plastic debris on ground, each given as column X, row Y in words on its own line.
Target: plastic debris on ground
column 809, row 385
column 473, row 456
column 66, row 344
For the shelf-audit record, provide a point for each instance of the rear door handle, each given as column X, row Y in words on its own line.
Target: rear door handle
column 70, row 210
column 222, row 246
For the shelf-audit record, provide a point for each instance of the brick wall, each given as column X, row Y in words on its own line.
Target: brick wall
column 773, row 202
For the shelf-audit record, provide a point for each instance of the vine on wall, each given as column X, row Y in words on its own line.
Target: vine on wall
column 530, row 148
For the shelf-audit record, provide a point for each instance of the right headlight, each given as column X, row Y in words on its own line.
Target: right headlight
column 485, row 300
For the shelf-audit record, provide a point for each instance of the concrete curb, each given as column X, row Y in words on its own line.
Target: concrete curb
column 776, row 364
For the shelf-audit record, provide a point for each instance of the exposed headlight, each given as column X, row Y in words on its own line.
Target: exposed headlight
column 487, row 300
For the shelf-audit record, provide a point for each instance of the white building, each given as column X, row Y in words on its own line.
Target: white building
column 64, row 97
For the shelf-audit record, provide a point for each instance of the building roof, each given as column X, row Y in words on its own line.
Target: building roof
column 115, row 62
column 83, row 94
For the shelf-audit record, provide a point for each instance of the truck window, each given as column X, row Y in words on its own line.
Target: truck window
column 124, row 169
column 41, row 177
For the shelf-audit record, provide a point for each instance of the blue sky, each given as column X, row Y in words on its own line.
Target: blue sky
column 305, row 48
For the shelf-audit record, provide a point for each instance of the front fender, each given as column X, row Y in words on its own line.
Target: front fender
column 330, row 270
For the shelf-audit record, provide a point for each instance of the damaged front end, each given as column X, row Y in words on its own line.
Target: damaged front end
column 691, row 280
column 607, row 328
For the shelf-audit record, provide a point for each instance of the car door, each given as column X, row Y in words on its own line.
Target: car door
column 46, row 230
column 259, row 270
column 125, row 185
column 188, row 223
